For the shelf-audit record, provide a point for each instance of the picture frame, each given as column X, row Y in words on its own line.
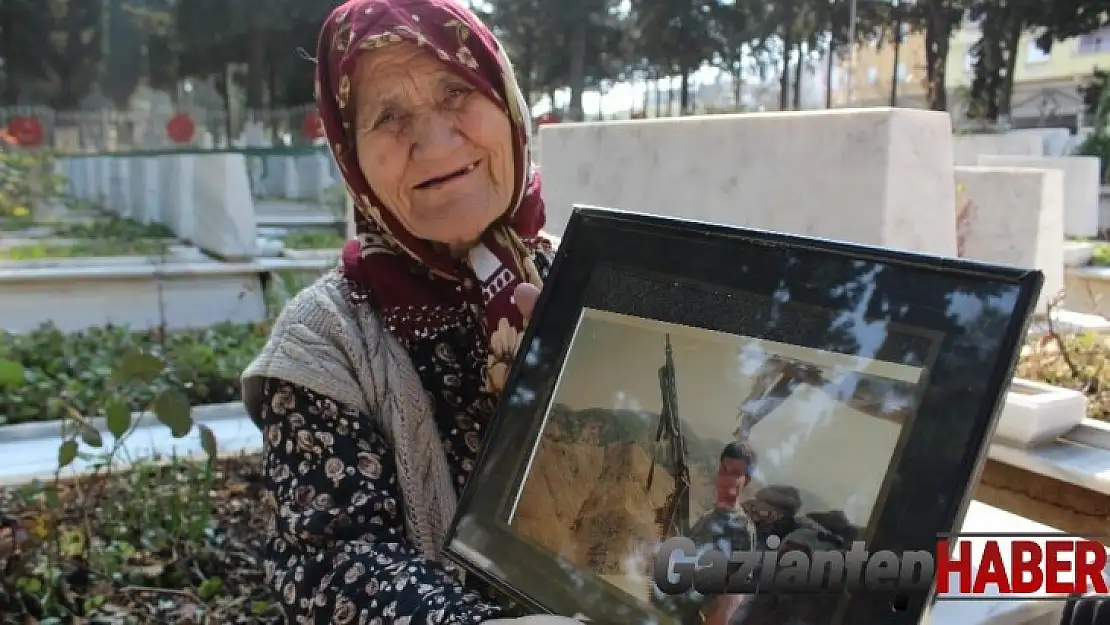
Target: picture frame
column 868, row 381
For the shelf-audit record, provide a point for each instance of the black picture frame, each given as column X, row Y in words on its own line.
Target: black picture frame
column 961, row 322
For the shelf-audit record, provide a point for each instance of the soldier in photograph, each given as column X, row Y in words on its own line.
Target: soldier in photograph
column 726, row 528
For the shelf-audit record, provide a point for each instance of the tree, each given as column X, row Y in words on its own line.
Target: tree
column 52, row 48
column 740, row 30
column 1071, row 18
column 1002, row 23
column 672, row 36
column 938, row 18
column 20, row 31
column 265, row 41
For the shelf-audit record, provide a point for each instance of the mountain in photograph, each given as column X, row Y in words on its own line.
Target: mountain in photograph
column 605, row 426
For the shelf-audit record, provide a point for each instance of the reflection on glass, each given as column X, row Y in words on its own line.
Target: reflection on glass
column 657, row 430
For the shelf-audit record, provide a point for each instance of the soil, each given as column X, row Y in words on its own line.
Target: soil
column 1060, row 505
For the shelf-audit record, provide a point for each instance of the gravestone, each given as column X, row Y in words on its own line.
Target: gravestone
column 224, row 222
column 1014, row 216
column 877, row 176
column 1081, row 187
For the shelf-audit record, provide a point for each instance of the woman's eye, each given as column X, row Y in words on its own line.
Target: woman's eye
column 384, row 118
column 456, row 94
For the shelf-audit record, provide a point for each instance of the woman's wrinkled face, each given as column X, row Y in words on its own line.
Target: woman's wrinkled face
column 436, row 152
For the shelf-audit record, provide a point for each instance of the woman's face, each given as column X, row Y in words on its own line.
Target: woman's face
column 436, row 152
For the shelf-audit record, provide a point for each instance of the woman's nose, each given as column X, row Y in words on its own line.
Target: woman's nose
column 435, row 135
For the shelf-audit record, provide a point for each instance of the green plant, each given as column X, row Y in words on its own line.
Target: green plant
column 314, row 240
column 283, row 286
column 26, row 177
column 1079, row 361
column 73, row 370
column 1100, row 255
column 86, row 248
column 113, row 227
column 163, row 521
column 335, row 200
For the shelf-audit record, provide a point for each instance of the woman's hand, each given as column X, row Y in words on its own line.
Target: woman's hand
column 721, row 609
column 525, row 297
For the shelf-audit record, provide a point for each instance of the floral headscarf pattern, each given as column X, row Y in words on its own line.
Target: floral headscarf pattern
column 416, row 288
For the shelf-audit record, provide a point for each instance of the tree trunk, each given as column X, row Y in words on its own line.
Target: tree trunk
column 895, row 75
column 787, row 48
column 684, row 95
column 830, row 65
column 738, row 89
column 938, row 33
column 256, row 68
column 658, row 96
column 1013, row 41
column 670, row 97
column 798, row 69
column 577, row 78
column 525, row 70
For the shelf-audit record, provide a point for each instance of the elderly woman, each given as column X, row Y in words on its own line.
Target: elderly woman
column 379, row 381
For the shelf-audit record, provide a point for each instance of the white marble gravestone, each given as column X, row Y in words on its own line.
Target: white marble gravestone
column 876, row 176
column 1014, row 216
column 966, row 149
column 1081, row 186
column 224, row 222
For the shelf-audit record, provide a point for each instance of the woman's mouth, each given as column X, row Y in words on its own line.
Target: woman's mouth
column 438, row 181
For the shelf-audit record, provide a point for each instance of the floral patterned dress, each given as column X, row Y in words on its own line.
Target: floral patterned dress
column 338, row 550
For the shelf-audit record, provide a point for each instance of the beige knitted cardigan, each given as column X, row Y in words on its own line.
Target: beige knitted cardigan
column 324, row 342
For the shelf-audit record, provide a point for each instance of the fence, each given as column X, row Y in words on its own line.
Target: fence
column 190, row 128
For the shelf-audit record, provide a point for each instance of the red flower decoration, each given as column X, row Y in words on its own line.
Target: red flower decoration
column 312, row 126
column 26, row 131
column 180, row 129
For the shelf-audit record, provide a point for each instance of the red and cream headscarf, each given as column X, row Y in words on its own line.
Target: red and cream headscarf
column 417, row 288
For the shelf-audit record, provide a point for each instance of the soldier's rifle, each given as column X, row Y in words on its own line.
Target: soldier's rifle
column 673, row 518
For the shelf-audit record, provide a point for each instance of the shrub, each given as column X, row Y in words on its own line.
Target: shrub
column 62, row 371
column 157, row 542
column 1077, row 361
column 26, row 177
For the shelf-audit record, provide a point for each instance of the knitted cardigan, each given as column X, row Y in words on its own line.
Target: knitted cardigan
column 323, row 341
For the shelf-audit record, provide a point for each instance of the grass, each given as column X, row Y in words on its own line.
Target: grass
column 101, row 236
column 314, row 240
column 84, row 249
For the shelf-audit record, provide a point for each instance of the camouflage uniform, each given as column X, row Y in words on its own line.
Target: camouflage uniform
column 815, row 609
column 723, row 529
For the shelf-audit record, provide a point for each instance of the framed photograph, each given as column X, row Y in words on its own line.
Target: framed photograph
column 741, row 387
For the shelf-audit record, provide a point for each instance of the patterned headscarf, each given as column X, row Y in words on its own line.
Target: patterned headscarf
column 417, row 288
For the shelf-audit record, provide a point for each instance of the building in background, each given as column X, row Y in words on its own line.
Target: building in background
column 1044, row 84
column 873, row 71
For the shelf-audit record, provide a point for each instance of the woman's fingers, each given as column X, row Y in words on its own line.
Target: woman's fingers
column 525, row 297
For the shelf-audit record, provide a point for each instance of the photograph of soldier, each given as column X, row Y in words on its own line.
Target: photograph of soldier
column 654, row 430
column 727, row 528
